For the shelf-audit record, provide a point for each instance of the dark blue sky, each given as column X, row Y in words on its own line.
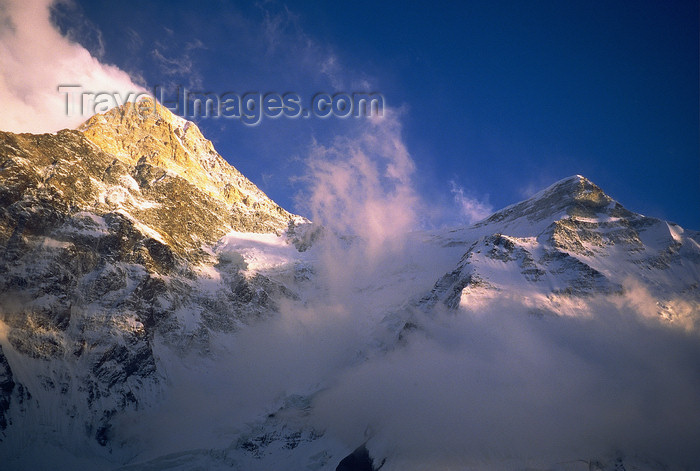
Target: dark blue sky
column 501, row 97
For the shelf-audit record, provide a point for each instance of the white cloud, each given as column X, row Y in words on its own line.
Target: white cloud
column 471, row 209
column 35, row 59
column 177, row 62
column 332, row 70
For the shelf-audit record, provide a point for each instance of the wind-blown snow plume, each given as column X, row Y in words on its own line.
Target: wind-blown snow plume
column 35, row 59
column 361, row 186
column 471, row 209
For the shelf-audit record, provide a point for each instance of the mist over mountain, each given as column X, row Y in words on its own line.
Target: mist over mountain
column 159, row 311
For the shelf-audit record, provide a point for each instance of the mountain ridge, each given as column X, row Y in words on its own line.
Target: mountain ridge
column 147, row 132
column 88, row 169
column 130, row 250
column 573, row 196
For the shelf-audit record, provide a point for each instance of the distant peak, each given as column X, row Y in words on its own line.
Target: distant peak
column 576, row 187
column 574, row 196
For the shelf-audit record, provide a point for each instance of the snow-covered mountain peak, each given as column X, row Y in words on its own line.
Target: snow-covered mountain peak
column 147, row 165
column 575, row 198
column 568, row 242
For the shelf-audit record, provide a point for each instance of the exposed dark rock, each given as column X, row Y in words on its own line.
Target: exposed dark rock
column 7, row 386
column 358, row 460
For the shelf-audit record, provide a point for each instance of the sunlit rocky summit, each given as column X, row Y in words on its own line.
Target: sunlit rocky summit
column 135, row 261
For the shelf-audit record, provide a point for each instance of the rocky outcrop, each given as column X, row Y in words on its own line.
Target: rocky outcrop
column 358, row 460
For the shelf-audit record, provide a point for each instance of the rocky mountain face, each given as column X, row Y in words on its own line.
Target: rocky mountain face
column 130, row 251
column 102, row 233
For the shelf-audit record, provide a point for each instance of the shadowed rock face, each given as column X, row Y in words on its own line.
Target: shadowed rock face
column 7, row 386
column 358, row 460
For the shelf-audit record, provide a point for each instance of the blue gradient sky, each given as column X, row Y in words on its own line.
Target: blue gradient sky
column 500, row 97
